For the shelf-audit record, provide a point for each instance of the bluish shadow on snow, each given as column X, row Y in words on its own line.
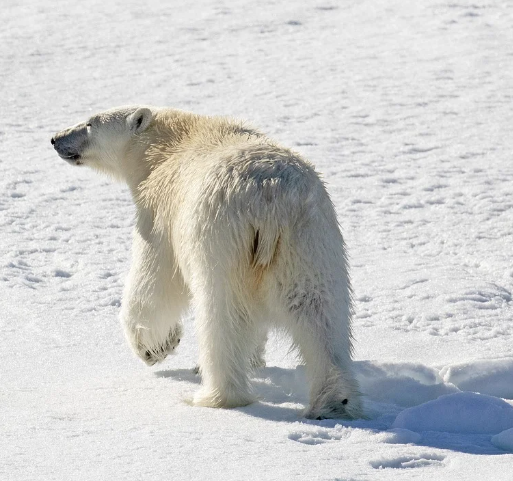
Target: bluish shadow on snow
column 381, row 430
column 280, row 385
column 461, row 443
column 273, row 384
column 282, row 392
column 187, row 375
column 402, row 384
column 274, row 412
column 389, row 389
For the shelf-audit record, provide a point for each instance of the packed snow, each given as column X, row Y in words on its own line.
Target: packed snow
column 504, row 440
column 404, row 107
column 461, row 412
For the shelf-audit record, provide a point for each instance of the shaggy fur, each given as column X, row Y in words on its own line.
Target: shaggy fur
column 239, row 226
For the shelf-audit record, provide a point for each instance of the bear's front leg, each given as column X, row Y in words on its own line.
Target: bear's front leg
column 152, row 329
column 153, row 302
column 153, row 352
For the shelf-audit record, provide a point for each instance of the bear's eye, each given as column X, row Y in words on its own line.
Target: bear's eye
column 88, row 125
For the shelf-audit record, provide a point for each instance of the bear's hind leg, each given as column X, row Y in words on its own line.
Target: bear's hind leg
column 319, row 334
column 257, row 360
column 258, row 357
column 227, row 341
column 333, row 389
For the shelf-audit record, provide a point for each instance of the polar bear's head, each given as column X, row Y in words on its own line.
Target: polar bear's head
column 104, row 140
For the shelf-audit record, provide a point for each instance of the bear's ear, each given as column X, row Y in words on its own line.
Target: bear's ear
column 139, row 120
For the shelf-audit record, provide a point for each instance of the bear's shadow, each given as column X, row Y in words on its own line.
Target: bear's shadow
column 282, row 393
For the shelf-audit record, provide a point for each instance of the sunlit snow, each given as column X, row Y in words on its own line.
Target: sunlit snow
column 406, row 108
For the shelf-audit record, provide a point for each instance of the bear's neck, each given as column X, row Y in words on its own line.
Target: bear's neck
column 160, row 143
column 136, row 169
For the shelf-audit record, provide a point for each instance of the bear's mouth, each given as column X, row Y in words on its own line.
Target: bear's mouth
column 73, row 159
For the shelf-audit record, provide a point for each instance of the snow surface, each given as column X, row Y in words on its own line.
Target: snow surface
column 462, row 412
column 504, row 440
column 406, row 109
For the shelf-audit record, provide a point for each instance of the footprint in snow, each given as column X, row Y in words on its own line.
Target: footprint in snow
column 409, row 462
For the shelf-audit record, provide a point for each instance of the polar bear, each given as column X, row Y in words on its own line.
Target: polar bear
column 240, row 227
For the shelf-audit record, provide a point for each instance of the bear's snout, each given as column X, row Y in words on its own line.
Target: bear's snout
column 64, row 146
column 70, row 143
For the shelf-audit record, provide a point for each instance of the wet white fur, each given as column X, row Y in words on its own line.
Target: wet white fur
column 242, row 228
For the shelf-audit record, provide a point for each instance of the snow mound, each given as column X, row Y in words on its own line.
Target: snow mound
column 458, row 413
column 400, row 436
column 504, row 440
column 492, row 377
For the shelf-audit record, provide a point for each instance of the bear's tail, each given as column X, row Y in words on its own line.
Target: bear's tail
column 264, row 248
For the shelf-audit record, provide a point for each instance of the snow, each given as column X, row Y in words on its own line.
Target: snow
column 405, row 107
column 489, row 376
column 504, row 440
column 402, row 384
column 462, row 412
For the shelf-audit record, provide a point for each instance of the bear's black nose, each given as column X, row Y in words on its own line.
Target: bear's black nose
column 52, row 141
